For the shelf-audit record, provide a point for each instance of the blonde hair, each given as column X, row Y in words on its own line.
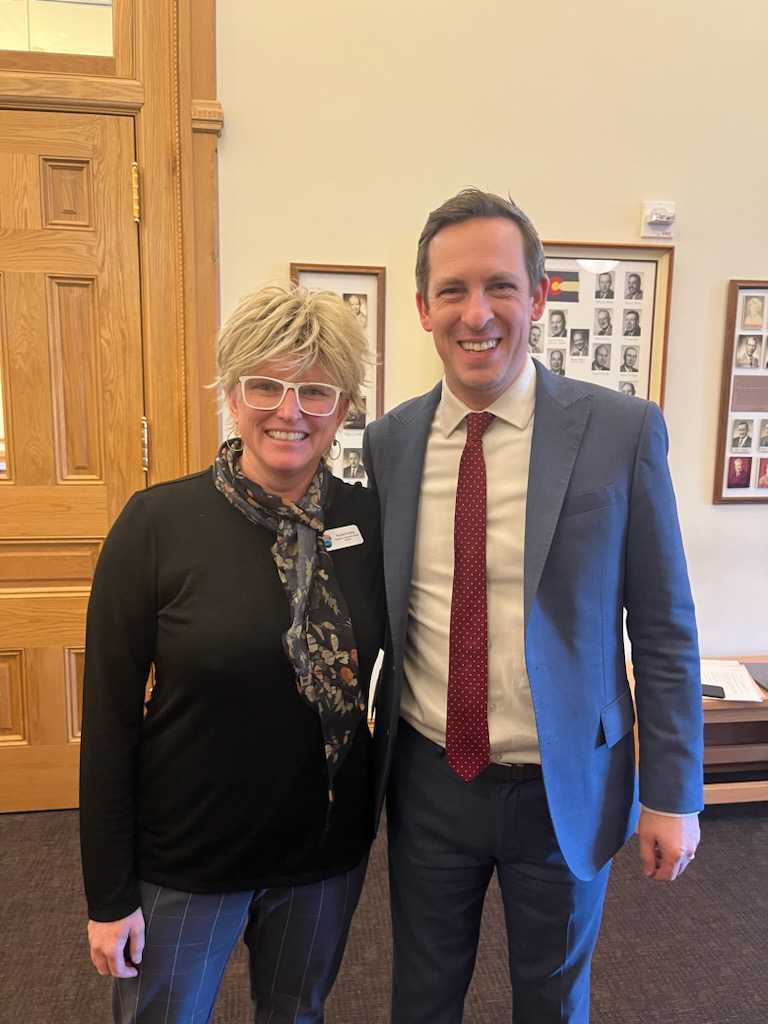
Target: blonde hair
column 288, row 323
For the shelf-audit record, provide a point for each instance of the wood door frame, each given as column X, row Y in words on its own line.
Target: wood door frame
column 165, row 79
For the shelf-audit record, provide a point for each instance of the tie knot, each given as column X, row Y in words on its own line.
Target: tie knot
column 477, row 424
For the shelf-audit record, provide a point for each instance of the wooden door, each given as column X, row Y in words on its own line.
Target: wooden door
column 71, row 371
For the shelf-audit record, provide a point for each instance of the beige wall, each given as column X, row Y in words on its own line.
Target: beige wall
column 347, row 122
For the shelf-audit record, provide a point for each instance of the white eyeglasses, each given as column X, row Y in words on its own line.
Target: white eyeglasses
column 313, row 397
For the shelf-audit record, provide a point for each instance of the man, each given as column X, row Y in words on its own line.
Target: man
column 633, row 289
column 739, row 472
column 354, row 469
column 747, row 357
column 604, row 288
column 579, row 343
column 535, row 343
column 556, row 358
column 626, row 387
column 762, row 479
column 603, row 323
column 631, row 323
column 602, row 358
column 512, row 544
column 763, row 442
column 557, row 324
column 741, row 436
column 630, row 360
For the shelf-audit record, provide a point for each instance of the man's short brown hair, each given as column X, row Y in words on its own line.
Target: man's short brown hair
column 470, row 204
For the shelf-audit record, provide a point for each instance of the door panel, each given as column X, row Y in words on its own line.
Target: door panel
column 71, row 372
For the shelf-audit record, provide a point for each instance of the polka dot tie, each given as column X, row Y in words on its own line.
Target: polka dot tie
column 466, row 740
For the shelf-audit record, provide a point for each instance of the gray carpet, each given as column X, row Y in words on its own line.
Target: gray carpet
column 695, row 952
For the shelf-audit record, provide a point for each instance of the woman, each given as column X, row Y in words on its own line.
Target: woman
column 753, row 311
column 240, row 797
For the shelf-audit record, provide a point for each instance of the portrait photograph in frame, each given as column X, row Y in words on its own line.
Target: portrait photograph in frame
column 363, row 289
column 741, row 463
column 615, row 300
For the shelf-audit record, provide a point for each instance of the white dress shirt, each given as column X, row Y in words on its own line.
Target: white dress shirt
column 507, row 448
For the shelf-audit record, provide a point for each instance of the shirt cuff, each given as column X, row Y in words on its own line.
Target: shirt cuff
column 671, row 814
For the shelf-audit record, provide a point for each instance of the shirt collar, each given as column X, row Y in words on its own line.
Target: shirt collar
column 515, row 406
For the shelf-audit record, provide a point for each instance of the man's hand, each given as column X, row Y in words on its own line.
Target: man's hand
column 667, row 845
column 108, row 940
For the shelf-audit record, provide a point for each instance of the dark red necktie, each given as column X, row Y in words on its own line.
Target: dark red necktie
column 466, row 735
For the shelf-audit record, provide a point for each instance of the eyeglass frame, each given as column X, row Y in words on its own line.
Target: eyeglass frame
column 290, row 385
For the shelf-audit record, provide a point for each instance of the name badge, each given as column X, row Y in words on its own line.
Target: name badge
column 342, row 537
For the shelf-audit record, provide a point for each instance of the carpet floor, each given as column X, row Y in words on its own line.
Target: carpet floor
column 695, row 952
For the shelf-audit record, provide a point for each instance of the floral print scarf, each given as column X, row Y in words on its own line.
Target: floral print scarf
column 319, row 642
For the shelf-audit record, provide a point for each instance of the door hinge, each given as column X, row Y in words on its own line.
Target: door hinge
column 136, row 191
column 145, row 444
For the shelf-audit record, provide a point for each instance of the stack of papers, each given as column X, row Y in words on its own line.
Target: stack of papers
column 734, row 679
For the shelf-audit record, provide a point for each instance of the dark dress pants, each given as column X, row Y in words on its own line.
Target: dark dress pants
column 295, row 937
column 446, row 837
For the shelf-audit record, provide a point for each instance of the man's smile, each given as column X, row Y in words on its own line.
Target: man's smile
column 479, row 346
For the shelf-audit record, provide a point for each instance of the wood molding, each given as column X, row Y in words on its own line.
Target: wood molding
column 160, row 233
column 207, row 116
column 76, row 93
column 57, row 63
column 201, row 122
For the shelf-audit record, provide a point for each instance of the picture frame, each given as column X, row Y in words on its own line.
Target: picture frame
column 607, row 315
column 364, row 290
column 741, row 462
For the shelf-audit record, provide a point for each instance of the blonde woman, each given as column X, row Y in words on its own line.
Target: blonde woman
column 239, row 799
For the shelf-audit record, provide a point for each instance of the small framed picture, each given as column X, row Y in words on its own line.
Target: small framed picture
column 630, row 359
column 613, row 303
column 741, row 435
column 556, row 361
column 557, row 324
column 739, row 471
column 749, row 352
column 603, row 325
column 631, row 323
column 363, row 289
column 633, row 286
column 743, row 421
column 753, row 312
column 357, row 418
column 601, row 357
column 352, row 464
column 536, row 339
column 579, row 342
column 605, row 286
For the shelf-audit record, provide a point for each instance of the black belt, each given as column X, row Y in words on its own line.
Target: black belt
column 513, row 772
column 504, row 772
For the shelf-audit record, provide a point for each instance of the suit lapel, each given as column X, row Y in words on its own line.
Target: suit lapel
column 408, row 441
column 562, row 412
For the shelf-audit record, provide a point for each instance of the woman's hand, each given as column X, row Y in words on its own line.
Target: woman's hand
column 108, row 941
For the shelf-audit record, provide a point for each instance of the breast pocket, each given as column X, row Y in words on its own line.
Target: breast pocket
column 588, row 501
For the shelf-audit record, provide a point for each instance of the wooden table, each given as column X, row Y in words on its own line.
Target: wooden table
column 736, row 740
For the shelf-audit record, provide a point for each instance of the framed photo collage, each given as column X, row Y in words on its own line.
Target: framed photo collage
column 741, row 467
column 606, row 316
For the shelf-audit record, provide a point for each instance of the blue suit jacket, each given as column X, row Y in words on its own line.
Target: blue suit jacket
column 601, row 536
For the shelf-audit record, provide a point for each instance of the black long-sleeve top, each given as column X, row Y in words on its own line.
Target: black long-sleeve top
column 221, row 785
